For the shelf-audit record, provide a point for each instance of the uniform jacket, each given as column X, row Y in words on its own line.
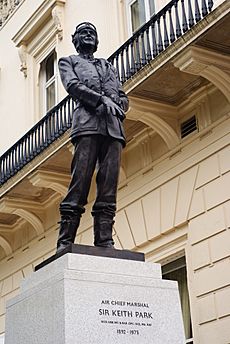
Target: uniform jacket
column 86, row 84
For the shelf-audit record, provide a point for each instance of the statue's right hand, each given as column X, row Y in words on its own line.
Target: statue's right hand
column 112, row 108
column 109, row 104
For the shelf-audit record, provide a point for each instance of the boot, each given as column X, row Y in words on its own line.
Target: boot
column 67, row 232
column 103, row 227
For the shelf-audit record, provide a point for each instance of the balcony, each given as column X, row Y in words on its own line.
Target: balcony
column 179, row 56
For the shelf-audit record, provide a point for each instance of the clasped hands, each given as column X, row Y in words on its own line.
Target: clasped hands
column 112, row 107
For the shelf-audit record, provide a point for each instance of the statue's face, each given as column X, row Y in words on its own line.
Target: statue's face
column 87, row 37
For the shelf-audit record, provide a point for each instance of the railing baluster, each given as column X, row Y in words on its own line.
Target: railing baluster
column 143, row 53
column 56, row 122
column 122, row 67
column 6, row 176
column 117, row 67
column 7, row 166
column 61, row 109
column 68, row 113
column 20, row 155
column 2, row 171
column 172, row 33
column 204, row 9
column 73, row 107
column 12, row 161
column 149, row 55
column 4, row 168
column 16, row 158
column 128, row 71
column 210, row 5
column 42, row 136
column 25, row 149
column 197, row 11
column 133, row 66
column 50, row 128
column 28, row 148
column 154, row 40
column 39, row 139
column 36, row 141
column 159, row 43
column 25, row 152
column 178, row 29
column 48, row 136
column 35, row 150
column 184, row 18
column 166, row 37
column 31, row 137
column 64, row 118
column 138, row 58
column 190, row 14
column 11, row 165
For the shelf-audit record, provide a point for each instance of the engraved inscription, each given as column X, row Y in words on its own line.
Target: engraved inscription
column 129, row 318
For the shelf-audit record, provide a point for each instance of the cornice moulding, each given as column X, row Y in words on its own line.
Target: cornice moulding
column 53, row 180
column 37, row 19
column 152, row 106
column 13, row 227
column 203, row 57
column 16, row 203
column 49, row 176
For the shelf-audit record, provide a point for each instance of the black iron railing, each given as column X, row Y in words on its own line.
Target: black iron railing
column 177, row 17
column 46, row 131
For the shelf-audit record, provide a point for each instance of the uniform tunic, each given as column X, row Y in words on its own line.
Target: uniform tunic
column 98, row 136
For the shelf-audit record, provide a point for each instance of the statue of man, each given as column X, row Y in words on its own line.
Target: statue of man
column 97, row 135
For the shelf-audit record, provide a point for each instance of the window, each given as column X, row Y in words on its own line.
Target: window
column 48, row 82
column 139, row 12
column 176, row 271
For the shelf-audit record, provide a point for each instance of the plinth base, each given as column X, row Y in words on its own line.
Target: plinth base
column 94, row 251
column 83, row 299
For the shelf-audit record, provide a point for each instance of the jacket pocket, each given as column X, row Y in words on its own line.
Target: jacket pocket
column 84, row 120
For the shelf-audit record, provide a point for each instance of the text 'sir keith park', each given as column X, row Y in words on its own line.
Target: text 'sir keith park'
column 97, row 135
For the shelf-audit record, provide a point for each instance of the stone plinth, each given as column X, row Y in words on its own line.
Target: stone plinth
column 82, row 299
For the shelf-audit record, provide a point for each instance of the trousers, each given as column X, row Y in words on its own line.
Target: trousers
column 104, row 154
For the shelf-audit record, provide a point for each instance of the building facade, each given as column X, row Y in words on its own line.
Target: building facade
column 173, row 197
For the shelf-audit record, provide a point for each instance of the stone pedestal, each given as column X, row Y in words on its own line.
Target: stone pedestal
column 82, row 299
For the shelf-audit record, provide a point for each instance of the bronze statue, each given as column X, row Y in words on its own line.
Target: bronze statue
column 97, row 134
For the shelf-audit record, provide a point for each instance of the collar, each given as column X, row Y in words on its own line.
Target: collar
column 89, row 57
